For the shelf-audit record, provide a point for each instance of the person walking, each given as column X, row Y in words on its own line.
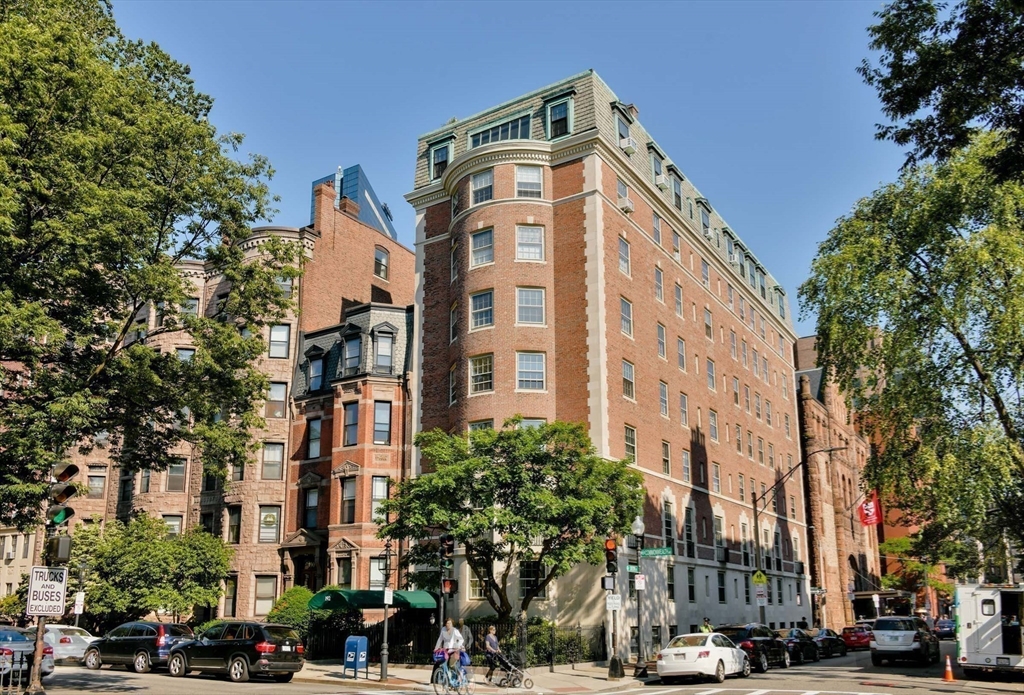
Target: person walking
column 707, row 626
column 493, row 649
column 451, row 641
column 467, row 636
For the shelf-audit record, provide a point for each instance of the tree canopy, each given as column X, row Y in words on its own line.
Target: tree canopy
column 919, row 296
column 111, row 175
column 512, row 495
column 135, row 568
column 946, row 73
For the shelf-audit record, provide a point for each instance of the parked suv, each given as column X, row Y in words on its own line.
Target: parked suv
column 141, row 645
column 240, row 649
column 903, row 638
column 764, row 648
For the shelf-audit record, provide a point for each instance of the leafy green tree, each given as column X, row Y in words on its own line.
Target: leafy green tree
column 292, row 608
column 136, row 568
column 512, row 495
column 919, row 296
column 913, row 571
column 946, row 73
column 110, row 176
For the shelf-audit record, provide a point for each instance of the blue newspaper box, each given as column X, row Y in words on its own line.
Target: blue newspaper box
column 355, row 656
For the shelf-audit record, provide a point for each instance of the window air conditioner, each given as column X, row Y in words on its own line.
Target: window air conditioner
column 661, row 182
column 707, row 233
column 625, row 204
column 9, row 555
column 628, row 145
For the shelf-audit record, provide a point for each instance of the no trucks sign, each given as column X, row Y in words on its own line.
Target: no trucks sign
column 47, row 590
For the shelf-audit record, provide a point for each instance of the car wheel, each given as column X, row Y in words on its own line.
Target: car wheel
column 762, row 663
column 238, row 670
column 785, row 659
column 842, row 650
column 719, row 676
column 745, row 671
column 141, row 663
column 799, row 656
column 816, row 655
column 176, row 665
column 284, row 677
column 876, row 660
column 92, row 660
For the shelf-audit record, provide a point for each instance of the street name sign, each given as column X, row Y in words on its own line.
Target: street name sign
column 613, row 602
column 632, row 568
column 47, row 590
column 656, row 552
column 759, row 577
column 818, row 590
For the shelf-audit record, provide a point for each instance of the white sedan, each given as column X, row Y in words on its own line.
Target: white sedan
column 705, row 655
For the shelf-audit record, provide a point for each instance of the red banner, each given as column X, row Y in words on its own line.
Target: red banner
column 870, row 513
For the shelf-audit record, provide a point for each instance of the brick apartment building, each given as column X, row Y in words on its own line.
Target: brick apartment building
column 567, row 269
column 844, row 557
column 350, row 259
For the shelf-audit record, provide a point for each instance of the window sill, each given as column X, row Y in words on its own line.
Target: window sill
column 481, row 393
column 528, row 260
column 481, row 265
column 540, row 391
column 530, row 325
column 481, row 328
column 627, row 398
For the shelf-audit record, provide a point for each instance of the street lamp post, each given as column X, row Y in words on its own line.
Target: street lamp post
column 641, row 663
column 386, row 556
column 757, row 499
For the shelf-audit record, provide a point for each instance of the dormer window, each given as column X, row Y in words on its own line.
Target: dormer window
column 677, row 193
column 384, row 352
column 515, row 129
column 439, row 158
column 316, row 374
column 353, row 352
column 559, row 119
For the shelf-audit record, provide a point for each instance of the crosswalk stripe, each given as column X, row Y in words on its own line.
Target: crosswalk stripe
column 709, row 692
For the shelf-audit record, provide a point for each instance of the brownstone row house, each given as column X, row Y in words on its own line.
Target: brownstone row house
column 567, row 269
column 289, row 509
column 844, row 557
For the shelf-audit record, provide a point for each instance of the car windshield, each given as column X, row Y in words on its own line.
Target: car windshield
column 851, row 630
column 733, row 633
column 897, row 624
column 280, row 632
column 12, row 636
column 176, row 630
column 688, row 641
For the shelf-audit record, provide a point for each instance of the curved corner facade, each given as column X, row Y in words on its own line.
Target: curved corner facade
column 567, row 269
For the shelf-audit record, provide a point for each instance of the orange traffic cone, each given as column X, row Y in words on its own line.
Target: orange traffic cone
column 948, row 675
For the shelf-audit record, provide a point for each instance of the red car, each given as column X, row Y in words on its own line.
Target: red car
column 858, row 637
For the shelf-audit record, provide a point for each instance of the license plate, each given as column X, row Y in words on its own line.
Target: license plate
column 285, row 648
column 893, row 638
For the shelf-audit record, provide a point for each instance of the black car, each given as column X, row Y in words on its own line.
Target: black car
column 240, row 649
column 829, row 643
column 141, row 645
column 764, row 648
column 945, row 629
column 801, row 647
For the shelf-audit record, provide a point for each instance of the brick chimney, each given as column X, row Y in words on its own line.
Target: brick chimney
column 349, row 207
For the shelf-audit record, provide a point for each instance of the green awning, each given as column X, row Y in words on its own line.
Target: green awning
column 350, row 599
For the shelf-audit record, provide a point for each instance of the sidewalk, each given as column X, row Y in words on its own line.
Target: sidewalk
column 585, row 678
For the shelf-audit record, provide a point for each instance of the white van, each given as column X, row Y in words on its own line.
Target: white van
column 989, row 635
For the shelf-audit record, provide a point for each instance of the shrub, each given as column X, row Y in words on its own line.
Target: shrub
column 292, row 608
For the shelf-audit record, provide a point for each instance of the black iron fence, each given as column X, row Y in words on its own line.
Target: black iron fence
column 411, row 640
column 15, row 671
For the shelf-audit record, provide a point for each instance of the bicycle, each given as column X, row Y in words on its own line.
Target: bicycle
column 447, row 683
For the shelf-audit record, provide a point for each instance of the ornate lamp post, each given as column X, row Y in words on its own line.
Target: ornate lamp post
column 641, row 663
column 386, row 557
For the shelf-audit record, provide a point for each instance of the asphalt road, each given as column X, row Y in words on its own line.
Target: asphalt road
column 849, row 675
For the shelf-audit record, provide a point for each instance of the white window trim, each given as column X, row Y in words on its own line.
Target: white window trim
column 430, row 158
column 543, row 244
column 571, row 116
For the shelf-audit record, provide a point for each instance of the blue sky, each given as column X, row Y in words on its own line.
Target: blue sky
column 758, row 103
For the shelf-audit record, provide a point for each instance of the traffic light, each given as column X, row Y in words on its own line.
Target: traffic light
column 611, row 556
column 60, row 492
column 447, row 550
column 450, row 586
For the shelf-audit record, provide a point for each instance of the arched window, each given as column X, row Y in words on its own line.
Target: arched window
column 381, row 259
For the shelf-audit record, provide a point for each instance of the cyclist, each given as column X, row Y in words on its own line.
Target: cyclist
column 451, row 641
